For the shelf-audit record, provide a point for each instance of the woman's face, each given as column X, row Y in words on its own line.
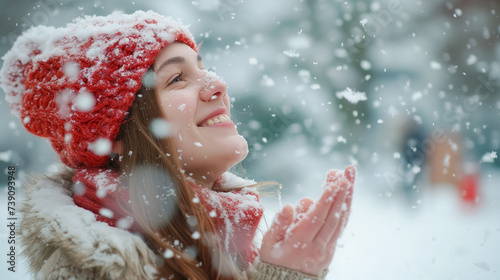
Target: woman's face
column 195, row 103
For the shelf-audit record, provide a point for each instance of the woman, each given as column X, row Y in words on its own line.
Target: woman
column 146, row 134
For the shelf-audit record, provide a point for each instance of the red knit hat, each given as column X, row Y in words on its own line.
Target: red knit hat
column 75, row 84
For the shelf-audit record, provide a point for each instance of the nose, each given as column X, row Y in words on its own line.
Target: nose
column 212, row 87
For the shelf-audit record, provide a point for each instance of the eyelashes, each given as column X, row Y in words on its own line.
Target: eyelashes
column 176, row 79
column 180, row 76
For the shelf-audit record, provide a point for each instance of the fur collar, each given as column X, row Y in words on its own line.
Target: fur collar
column 51, row 221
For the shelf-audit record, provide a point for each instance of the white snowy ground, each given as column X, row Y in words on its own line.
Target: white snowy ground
column 386, row 239
column 438, row 239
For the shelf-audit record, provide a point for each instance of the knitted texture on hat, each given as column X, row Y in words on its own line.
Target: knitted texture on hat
column 75, row 84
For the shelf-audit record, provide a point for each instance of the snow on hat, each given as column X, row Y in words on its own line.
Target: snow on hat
column 75, row 84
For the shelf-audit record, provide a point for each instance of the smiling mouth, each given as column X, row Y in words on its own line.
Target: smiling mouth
column 215, row 120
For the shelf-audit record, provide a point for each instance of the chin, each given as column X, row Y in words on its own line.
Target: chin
column 243, row 149
column 237, row 152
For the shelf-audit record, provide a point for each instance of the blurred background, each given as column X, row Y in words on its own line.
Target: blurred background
column 407, row 91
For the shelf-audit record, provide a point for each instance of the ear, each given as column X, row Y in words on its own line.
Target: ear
column 118, row 147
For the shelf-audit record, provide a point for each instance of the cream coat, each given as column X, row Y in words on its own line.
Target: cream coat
column 63, row 241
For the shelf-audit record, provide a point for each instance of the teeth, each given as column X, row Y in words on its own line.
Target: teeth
column 218, row 119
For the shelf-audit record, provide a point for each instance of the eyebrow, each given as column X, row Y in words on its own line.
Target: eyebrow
column 174, row 60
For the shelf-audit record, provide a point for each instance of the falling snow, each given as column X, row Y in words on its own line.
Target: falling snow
column 106, row 213
column 366, row 65
column 71, row 70
column 352, row 96
column 85, row 101
column 160, row 128
column 315, row 86
column 100, row 147
column 489, row 157
column 472, row 59
column 267, row 81
column 435, row 65
column 291, row 53
column 195, row 235
column 5, row 156
column 168, row 254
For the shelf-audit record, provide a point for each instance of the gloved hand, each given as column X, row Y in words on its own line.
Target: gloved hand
column 305, row 239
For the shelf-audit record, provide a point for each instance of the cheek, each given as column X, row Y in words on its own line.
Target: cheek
column 177, row 109
column 165, row 106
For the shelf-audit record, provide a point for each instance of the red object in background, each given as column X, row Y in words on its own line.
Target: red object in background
column 469, row 188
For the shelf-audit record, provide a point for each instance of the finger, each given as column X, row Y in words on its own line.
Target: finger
column 304, row 205
column 338, row 231
column 333, row 218
column 280, row 224
column 314, row 219
column 302, row 208
column 344, row 217
column 332, row 243
column 333, row 176
column 350, row 173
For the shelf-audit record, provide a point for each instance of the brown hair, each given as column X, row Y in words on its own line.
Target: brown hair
column 162, row 200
